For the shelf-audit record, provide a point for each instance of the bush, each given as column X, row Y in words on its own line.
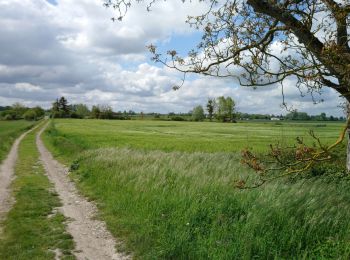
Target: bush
column 198, row 114
column 177, row 118
column 75, row 115
column 8, row 117
column 30, row 115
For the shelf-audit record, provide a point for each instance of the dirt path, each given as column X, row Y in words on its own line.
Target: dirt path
column 93, row 240
column 7, row 174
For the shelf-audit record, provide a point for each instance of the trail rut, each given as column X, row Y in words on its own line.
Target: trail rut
column 93, row 240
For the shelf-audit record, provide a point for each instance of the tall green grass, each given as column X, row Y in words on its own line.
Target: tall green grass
column 9, row 131
column 183, row 205
column 180, row 205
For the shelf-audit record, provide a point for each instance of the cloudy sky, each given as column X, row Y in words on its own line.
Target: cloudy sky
column 51, row 48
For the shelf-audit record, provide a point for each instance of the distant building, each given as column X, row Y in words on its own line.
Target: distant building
column 275, row 119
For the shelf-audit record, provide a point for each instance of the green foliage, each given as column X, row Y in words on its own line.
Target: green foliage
column 63, row 106
column 81, row 110
column 211, row 106
column 34, row 228
column 177, row 118
column 225, row 111
column 30, row 115
column 106, row 112
column 60, row 108
column 295, row 115
column 18, row 110
column 9, row 131
column 102, row 112
column 198, row 113
column 34, row 114
column 8, row 115
column 95, row 112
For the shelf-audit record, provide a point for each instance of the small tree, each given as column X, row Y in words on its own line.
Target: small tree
column 198, row 113
column 18, row 110
column 95, row 112
column 106, row 112
column 211, row 108
column 39, row 112
column 55, row 110
column 63, row 106
column 225, row 109
column 81, row 110
column 30, row 115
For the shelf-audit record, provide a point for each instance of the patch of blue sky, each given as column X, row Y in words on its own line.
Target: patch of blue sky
column 182, row 43
column 53, row 2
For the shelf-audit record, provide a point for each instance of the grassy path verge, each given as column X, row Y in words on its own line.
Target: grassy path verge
column 9, row 131
column 33, row 228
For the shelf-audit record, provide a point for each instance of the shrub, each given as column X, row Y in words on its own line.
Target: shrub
column 30, row 115
column 177, row 118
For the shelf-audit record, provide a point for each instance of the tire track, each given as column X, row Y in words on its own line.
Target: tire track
column 93, row 240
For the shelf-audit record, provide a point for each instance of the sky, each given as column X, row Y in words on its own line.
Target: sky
column 71, row 48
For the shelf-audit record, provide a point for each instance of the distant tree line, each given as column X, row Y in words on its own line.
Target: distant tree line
column 18, row 111
column 220, row 109
column 295, row 115
column 62, row 109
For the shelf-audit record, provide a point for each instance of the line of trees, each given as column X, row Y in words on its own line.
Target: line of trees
column 220, row 109
column 18, row 111
column 62, row 109
column 295, row 115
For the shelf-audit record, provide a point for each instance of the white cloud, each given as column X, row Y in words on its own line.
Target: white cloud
column 74, row 49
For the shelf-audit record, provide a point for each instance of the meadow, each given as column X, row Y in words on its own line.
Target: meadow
column 9, row 131
column 189, row 136
column 168, row 189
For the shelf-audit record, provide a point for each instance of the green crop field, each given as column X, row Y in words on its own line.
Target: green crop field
column 189, row 136
column 168, row 189
column 9, row 130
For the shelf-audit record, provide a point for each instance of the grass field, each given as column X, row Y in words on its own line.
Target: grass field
column 188, row 136
column 33, row 229
column 167, row 189
column 9, row 131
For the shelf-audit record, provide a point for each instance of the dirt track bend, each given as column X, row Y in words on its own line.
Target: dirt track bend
column 7, row 174
column 93, row 240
